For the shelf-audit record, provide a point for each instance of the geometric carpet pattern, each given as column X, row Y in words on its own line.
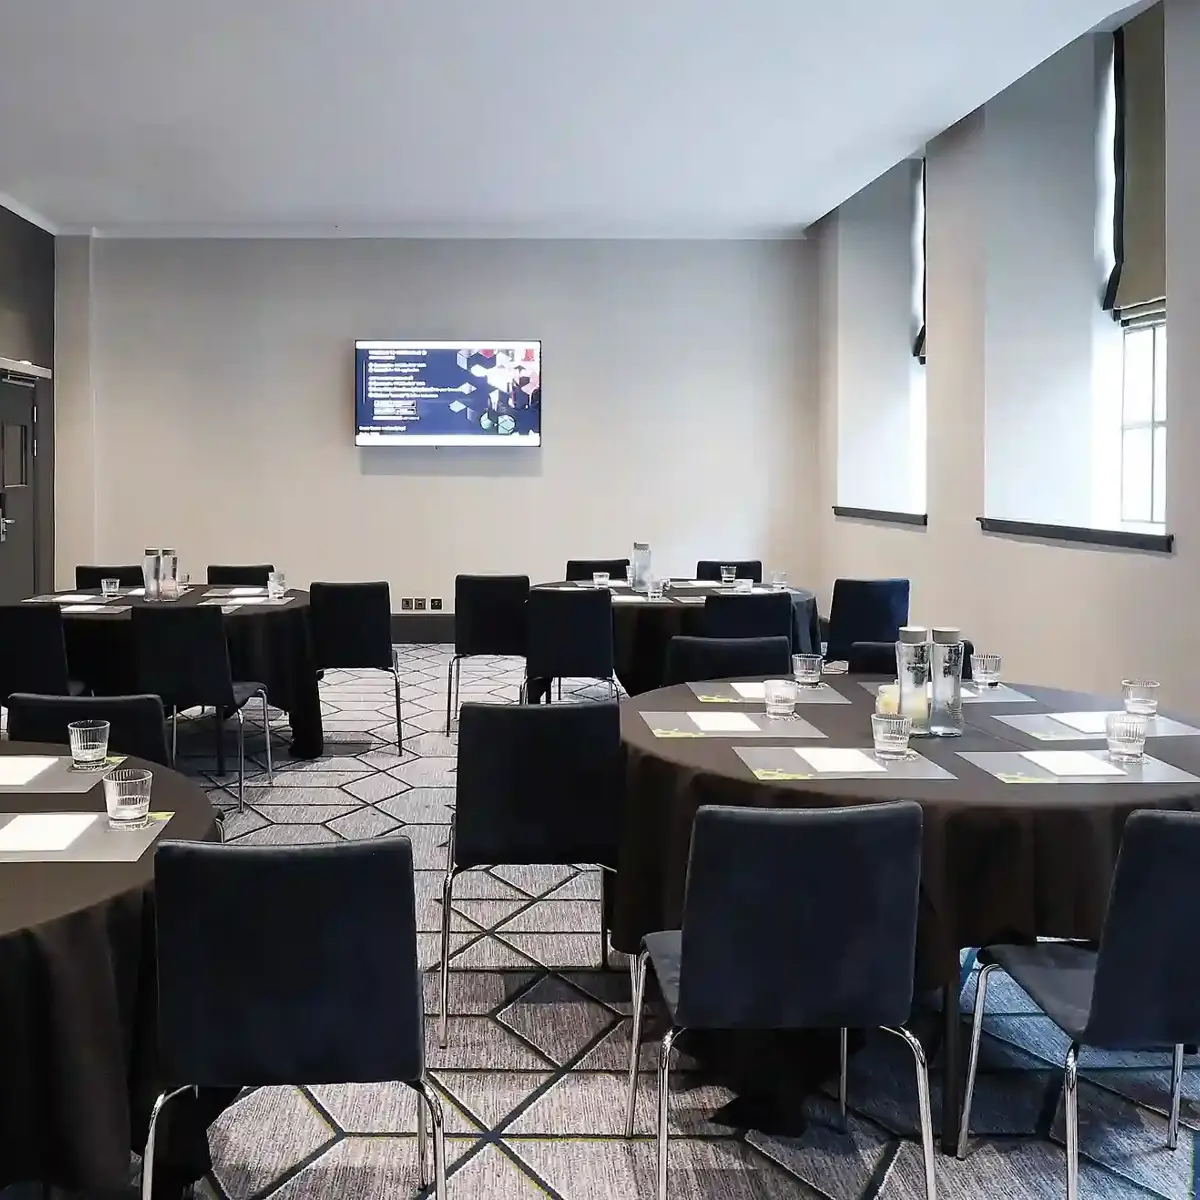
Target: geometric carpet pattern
column 533, row 1080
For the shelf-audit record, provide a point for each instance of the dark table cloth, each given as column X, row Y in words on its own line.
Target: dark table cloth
column 267, row 644
column 78, row 1000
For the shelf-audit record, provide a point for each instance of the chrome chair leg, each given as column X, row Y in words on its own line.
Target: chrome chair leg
column 449, row 691
column 447, row 898
column 457, row 686
column 964, row 1124
column 843, row 1084
column 267, row 733
column 431, row 1101
column 1176, row 1095
column 148, row 1156
column 174, row 733
column 637, row 970
column 927, row 1143
column 399, row 721
column 422, row 1140
column 1071, row 1105
column 664, row 1078
column 241, row 719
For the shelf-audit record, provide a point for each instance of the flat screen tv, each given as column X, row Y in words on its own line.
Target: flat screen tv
column 447, row 393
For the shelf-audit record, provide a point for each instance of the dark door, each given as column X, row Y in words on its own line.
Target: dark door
column 16, row 491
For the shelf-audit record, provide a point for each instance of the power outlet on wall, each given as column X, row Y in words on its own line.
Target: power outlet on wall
column 406, row 605
column 419, row 604
column 435, row 605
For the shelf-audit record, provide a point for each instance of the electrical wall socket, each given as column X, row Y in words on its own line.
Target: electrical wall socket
column 406, row 605
column 419, row 604
column 435, row 605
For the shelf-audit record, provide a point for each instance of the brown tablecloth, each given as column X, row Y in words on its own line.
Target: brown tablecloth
column 1000, row 860
column 267, row 644
column 77, row 996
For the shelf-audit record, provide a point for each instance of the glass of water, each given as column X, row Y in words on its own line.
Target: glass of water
column 807, row 669
column 629, row 574
column 779, row 580
column 89, row 744
column 654, row 589
column 276, row 585
column 127, row 796
column 985, row 669
column 1126, row 733
column 780, row 696
column 109, row 588
column 890, row 733
column 600, row 579
column 743, row 586
column 728, row 575
column 1141, row 696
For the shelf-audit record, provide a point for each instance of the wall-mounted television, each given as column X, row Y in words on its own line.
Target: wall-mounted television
column 447, row 393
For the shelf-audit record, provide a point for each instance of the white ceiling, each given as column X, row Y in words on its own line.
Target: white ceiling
column 461, row 118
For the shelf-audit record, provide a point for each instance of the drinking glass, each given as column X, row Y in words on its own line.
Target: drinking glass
column 743, row 586
column 728, row 575
column 600, row 579
column 1126, row 733
column 109, row 588
column 890, row 732
column 89, row 744
column 779, row 580
column 276, row 585
column 887, row 700
column 1141, row 696
column 183, row 581
column 807, row 669
column 654, row 589
column 629, row 574
column 127, row 796
column 168, row 589
column 780, row 695
column 985, row 669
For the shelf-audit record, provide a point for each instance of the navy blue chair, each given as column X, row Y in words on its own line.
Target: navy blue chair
column 87, row 579
column 767, row 614
column 254, row 575
column 569, row 634
column 747, row 568
column 33, row 652
column 137, row 724
column 694, row 659
column 582, row 569
column 879, row 658
column 865, row 610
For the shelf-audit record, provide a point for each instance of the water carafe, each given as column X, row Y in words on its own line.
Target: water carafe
column 151, row 572
column 641, row 566
column 913, row 673
column 945, row 714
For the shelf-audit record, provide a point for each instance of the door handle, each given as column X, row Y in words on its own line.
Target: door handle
column 5, row 522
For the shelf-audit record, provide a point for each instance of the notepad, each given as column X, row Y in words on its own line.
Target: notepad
column 85, row 608
column 722, row 722
column 16, row 770
column 74, row 599
column 750, row 691
column 829, row 760
column 629, row 599
column 1070, row 762
column 44, row 832
column 243, row 599
column 247, row 591
column 1085, row 722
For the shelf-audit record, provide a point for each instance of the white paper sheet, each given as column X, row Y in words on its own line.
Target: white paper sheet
column 1085, row 722
column 750, row 691
column 722, row 722
column 16, row 770
column 84, row 608
column 248, row 591
column 44, row 832
column 830, row 760
column 692, row 583
column 629, row 598
column 1071, row 762
column 74, row 599
column 137, row 591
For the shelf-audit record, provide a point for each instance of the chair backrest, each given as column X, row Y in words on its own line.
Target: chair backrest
column 489, row 614
column 255, row 575
column 585, row 568
column 769, row 614
column 1147, row 987
column 182, row 654
column 136, row 723
column 569, row 633
column 747, row 568
column 351, row 624
column 538, row 783
column 283, row 964
column 801, row 917
column 879, row 658
column 33, row 650
column 865, row 610
column 692, row 659
column 88, row 578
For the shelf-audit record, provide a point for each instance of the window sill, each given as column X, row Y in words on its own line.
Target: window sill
column 1119, row 539
column 882, row 515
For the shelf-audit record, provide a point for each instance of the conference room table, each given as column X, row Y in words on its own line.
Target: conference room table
column 1012, row 850
column 268, row 643
column 78, row 990
column 643, row 627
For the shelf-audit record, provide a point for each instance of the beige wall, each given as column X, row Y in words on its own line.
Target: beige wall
column 206, row 401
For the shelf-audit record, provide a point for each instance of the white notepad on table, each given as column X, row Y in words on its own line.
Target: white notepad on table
column 44, row 832
column 85, row 608
column 248, row 591
column 1085, row 722
column 16, row 770
column 1070, row 762
column 722, row 722
column 73, row 599
column 828, row 760
column 750, row 691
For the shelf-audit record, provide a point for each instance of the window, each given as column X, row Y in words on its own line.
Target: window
column 1144, row 424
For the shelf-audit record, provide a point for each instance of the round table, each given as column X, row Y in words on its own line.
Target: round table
column 77, row 994
column 642, row 628
column 1000, row 860
column 270, row 644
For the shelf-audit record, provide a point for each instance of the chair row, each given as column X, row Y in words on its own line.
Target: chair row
column 87, row 578
column 709, row 570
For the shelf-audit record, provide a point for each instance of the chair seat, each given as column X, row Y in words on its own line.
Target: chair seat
column 243, row 693
column 76, row 687
column 1058, row 977
column 666, row 952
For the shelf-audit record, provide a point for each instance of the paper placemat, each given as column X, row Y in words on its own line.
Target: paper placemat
column 76, row 837
column 972, row 693
column 35, row 773
column 72, row 598
column 782, row 763
column 688, row 599
column 1087, row 726
column 727, row 724
column 721, row 692
column 629, row 598
column 1056, row 766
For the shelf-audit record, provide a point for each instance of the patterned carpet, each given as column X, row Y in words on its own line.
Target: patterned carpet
column 532, row 1082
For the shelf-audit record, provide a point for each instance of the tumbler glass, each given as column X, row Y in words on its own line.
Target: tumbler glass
column 276, row 585
column 109, row 588
column 807, row 669
column 780, row 695
column 728, row 575
column 89, row 744
column 1141, row 696
column 1126, row 734
column 890, row 733
column 985, row 669
column 127, row 796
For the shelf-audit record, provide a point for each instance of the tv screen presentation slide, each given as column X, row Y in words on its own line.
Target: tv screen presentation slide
column 448, row 393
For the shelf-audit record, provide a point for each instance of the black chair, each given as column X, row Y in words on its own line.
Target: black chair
column 352, row 628
column 768, row 614
column 287, row 965
column 536, row 785
column 693, row 659
column 1139, row 990
column 256, row 575
column 87, row 579
column 137, row 724
column 489, row 618
column 33, row 652
column 584, row 568
column 766, row 949
column 865, row 610
column 569, row 634
column 879, row 658
column 747, row 568
column 183, row 656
